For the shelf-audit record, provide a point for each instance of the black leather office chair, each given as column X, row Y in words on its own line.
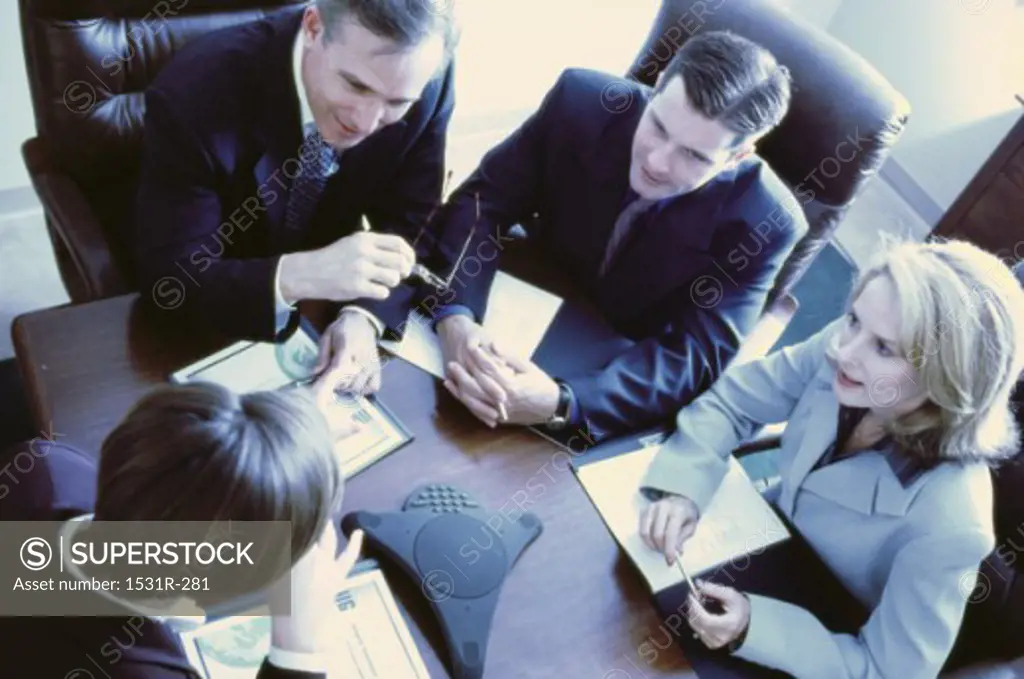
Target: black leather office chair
column 837, row 97
column 88, row 64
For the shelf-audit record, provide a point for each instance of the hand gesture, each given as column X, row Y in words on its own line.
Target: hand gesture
column 527, row 394
column 313, row 581
column 718, row 629
column 460, row 337
column 349, row 359
column 362, row 265
column 667, row 524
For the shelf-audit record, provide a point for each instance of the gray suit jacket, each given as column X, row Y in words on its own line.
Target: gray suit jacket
column 905, row 541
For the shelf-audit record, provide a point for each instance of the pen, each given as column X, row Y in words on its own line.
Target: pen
column 502, row 413
column 686, row 576
column 712, row 606
column 418, row 270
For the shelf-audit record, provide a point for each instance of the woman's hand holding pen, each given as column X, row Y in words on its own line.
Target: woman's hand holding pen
column 727, row 624
column 667, row 524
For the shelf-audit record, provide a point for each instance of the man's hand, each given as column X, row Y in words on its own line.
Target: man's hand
column 459, row 335
column 362, row 265
column 348, row 358
column 338, row 415
column 667, row 524
column 718, row 630
column 527, row 393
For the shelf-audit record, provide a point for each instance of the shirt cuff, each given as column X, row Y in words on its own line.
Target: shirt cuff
column 374, row 321
column 575, row 411
column 297, row 662
column 453, row 310
column 282, row 309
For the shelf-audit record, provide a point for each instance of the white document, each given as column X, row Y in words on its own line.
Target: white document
column 248, row 366
column 518, row 315
column 738, row 521
column 368, row 639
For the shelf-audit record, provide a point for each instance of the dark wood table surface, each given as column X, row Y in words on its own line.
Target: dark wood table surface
column 571, row 607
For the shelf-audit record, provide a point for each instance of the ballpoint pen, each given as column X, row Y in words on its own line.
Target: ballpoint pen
column 418, row 270
column 710, row 605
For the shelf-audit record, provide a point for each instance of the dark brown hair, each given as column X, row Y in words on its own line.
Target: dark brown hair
column 200, row 452
column 733, row 80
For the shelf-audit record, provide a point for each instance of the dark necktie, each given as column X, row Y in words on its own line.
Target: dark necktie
column 624, row 225
column 318, row 162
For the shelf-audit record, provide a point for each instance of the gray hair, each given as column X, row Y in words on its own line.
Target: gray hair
column 406, row 23
column 733, row 80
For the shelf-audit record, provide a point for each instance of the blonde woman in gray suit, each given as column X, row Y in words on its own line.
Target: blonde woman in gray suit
column 895, row 412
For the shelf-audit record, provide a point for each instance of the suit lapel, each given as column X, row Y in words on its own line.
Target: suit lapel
column 672, row 248
column 819, row 434
column 604, row 178
column 278, row 134
column 865, row 483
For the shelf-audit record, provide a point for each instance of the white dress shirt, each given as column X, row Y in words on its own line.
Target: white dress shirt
column 282, row 309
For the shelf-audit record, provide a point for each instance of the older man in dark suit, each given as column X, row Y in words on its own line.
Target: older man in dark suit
column 265, row 146
column 656, row 204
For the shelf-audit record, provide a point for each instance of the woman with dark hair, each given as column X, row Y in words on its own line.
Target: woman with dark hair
column 191, row 453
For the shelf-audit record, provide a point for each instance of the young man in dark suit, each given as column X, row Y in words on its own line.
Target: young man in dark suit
column 265, row 146
column 656, row 204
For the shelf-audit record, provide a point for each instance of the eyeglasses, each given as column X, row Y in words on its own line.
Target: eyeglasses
column 443, row 284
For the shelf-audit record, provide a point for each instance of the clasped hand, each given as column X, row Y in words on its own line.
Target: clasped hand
column 493, row 384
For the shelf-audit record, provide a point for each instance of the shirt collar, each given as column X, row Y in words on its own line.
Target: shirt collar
column 305, row 113
column 905, row 469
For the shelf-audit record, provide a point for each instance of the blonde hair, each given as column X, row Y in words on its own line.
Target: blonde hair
column 962, row 317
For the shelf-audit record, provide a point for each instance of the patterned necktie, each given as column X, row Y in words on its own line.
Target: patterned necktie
column 628, row 218
column 318, row 162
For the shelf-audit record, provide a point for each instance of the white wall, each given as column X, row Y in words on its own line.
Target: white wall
column 513, row 50
column 818, row 12
column 16, row 121
column 959, row 62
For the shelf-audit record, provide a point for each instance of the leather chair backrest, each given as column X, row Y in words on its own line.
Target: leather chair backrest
column 843, row 118
column 89, row 63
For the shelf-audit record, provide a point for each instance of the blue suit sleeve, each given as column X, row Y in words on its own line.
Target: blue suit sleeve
column 503, row 191
column 454, row 310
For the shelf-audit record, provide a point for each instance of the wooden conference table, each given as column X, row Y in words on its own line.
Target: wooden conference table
column 571, row 607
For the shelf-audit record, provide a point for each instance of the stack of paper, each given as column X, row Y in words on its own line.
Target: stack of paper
column 738, row 521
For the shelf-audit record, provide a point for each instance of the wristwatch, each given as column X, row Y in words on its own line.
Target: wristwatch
column 560, row 418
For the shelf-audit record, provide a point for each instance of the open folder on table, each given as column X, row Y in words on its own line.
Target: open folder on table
column 368, row 637
column 737, row 522
column 248, row 366
column 518, row 316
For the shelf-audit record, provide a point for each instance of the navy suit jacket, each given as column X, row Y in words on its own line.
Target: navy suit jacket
column 686, row 289
column 222, row 139
column 59, row 485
